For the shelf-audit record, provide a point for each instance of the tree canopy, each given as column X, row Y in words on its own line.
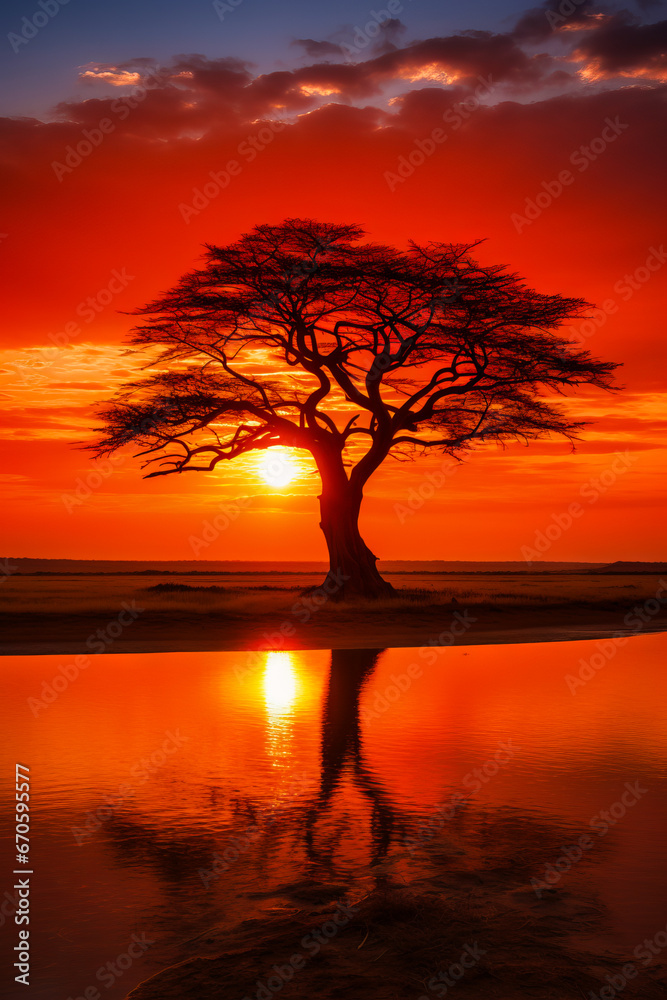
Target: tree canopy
column 302, row 335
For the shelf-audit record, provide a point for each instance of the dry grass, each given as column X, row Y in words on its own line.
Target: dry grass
column 252, row 596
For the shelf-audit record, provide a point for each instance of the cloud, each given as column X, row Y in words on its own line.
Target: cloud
column 195, row 94
column 60, row 419
column 389, row 35
column 318, row 50
column 649, row 4
column 116, row 77
column 347, row 126
column 621, row 47
column 557, row 19
column 460, row 59
column 86, row 386
column 355, row 42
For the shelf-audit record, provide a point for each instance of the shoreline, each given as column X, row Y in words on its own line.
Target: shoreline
column 164, row 632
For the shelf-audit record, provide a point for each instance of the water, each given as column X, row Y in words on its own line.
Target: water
column 305, row 776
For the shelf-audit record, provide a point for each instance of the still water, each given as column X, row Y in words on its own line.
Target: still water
column 174, row 793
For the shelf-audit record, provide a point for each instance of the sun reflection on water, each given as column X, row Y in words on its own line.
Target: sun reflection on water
column 281, row 689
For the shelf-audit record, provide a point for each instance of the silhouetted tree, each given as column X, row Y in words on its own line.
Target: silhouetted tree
column 298, row 335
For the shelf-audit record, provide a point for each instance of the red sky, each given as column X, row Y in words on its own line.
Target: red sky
column 118, row 227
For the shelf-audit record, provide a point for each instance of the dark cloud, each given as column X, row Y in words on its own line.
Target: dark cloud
column 556, row 18
column 332, row 160
column 211, row 75
column 389, row 35
column 462, row 58
column 355, row 43
column 318, row 50
column 195, row 94
column 342, row 121
column 192, row 117
column 421, row 109
column 623, row 48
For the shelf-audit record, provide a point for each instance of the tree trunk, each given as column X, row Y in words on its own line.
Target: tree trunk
column 352, row 569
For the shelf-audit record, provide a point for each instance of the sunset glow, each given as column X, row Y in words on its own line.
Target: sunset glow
column 333, row 594
column 339, row 128
column 277, row 468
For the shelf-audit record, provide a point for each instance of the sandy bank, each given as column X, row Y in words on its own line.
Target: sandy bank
column 154, row 631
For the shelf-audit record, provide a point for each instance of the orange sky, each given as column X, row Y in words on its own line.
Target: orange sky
column 112, row 230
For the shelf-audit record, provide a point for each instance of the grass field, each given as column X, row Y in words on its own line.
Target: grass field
column 62, row 614
column 253, row 594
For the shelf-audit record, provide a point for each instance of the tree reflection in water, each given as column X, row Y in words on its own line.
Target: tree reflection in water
column 468, row 884
column 342, row 752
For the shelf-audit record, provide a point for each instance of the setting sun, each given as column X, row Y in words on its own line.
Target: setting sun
column 277, row 468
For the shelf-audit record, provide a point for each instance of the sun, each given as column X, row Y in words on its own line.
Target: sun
column 277, row 468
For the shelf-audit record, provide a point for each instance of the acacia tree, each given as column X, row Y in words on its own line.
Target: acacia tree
column 299, row 335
